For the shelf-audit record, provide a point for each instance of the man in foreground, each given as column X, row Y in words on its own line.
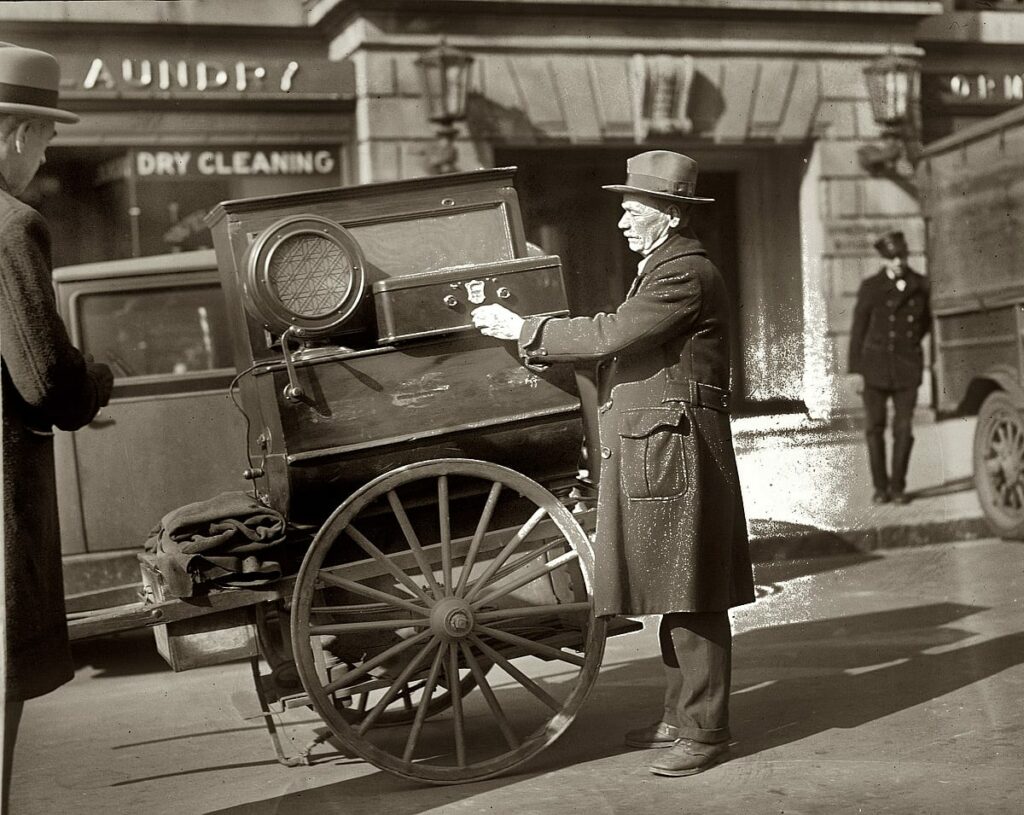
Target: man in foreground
column 671, row 529
column 46, row 383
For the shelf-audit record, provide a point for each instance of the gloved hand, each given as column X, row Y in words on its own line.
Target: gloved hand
column 497, row 321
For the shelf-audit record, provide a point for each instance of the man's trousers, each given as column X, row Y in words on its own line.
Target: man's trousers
column 696, row 649
column 903, row 400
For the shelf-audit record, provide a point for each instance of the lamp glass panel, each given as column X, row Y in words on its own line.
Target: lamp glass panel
column 433, row 86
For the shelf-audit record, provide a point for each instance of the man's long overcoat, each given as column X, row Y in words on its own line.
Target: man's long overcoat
column 671, row 530
column 46, row 382
column 888, row 326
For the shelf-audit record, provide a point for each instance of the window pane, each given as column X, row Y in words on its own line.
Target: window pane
column 172, row 331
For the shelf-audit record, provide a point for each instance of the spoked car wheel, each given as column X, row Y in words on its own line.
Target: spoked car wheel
column 451, row 591
column 999, row 464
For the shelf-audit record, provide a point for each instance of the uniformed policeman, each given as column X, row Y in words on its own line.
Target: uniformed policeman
column 891, row 318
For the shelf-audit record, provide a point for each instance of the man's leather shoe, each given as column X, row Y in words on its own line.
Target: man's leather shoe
column 900, row 498
column 688, row 757
column 880, row 497
column 654, row 735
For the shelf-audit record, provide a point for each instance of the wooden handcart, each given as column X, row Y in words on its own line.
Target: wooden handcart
column 441, row 621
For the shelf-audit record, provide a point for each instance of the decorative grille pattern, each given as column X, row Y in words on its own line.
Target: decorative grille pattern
column 310, row 274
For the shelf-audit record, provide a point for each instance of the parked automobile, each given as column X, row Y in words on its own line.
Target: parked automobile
column 169, row 436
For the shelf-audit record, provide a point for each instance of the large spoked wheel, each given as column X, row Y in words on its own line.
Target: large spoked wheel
column 999, row 464
column 447, row 599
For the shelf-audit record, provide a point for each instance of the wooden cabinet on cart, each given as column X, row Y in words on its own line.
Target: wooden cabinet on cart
column 440, row 622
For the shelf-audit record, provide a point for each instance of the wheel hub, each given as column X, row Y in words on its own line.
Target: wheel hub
column 452, row 617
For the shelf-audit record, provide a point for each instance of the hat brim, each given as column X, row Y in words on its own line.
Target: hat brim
column 36, row 112
column 667, row 195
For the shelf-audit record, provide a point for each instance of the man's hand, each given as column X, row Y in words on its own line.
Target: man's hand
column 104, row 379
column 497, row 321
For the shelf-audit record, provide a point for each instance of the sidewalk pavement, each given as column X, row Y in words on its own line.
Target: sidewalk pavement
column 807, row 488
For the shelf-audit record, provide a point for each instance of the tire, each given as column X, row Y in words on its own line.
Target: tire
column 999, row 464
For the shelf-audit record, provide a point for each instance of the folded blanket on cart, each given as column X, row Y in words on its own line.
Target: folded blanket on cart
column 227, row 539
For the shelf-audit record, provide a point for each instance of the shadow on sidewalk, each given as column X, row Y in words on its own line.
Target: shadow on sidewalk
column 964, row 484
column 802, row 679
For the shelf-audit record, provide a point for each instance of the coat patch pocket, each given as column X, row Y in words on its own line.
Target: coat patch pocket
column 653, row 452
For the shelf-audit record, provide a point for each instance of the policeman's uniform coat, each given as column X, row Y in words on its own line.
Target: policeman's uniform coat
column 671, row 530
column 45, row 382
column 888, row 326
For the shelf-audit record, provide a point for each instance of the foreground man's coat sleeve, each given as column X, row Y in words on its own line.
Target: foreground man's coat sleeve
column 48, row 372
column 667, row 303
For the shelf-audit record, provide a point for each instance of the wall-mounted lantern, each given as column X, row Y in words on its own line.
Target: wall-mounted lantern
column 444, row 73
column 894, row 88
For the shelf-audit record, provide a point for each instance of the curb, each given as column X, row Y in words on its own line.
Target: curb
column 801, row 542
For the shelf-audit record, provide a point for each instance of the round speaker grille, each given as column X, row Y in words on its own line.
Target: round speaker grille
column 310, row 275
column 304, row 272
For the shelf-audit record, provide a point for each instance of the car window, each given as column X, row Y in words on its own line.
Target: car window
column 174, row 331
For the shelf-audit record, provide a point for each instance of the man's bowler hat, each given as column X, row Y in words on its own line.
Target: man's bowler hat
column 663, row 174
column 29, row 80
column 892, row 245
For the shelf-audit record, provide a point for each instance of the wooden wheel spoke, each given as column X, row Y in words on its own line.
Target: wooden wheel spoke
column 367, row 546
column 506, row 665
column 445, row 527
column 414, row 543
column 507, row 552
column 530, row 611
column 451, row 669
column 368, row 625
column 478, row 535
column 488, row 694
column 424, row 706
column 531, row 647
column 528, row 577
column 406, row 697
column 520, row 562
column 356, row 673
column 397, row 685
column 374, row 594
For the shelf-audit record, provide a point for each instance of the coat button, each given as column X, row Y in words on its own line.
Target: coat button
column 910, row 318
column 892, row 318
column 889, row 303
column 892, row 333
column 605, row 452
column 541, row 352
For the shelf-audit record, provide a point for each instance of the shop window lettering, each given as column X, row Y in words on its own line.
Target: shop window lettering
column 986, row 87
column 233, row 162
column 204, row 75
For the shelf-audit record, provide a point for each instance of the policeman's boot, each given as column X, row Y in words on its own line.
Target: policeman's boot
column 876, row 459
column 901, row 446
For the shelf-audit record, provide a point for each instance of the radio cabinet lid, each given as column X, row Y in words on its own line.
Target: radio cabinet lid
column 457, row 274
column 310, row 199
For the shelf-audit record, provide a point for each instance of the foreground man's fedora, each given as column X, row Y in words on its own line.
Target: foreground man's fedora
column 29, row 82
column 663, row 174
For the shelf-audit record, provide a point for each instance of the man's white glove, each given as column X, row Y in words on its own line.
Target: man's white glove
column 498, row 322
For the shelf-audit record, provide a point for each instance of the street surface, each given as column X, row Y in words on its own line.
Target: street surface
column 882, row 683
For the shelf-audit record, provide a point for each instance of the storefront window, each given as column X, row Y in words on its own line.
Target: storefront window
column 156, row 332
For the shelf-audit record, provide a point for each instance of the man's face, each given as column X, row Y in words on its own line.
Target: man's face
column 25, row 152
column 644, row 225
